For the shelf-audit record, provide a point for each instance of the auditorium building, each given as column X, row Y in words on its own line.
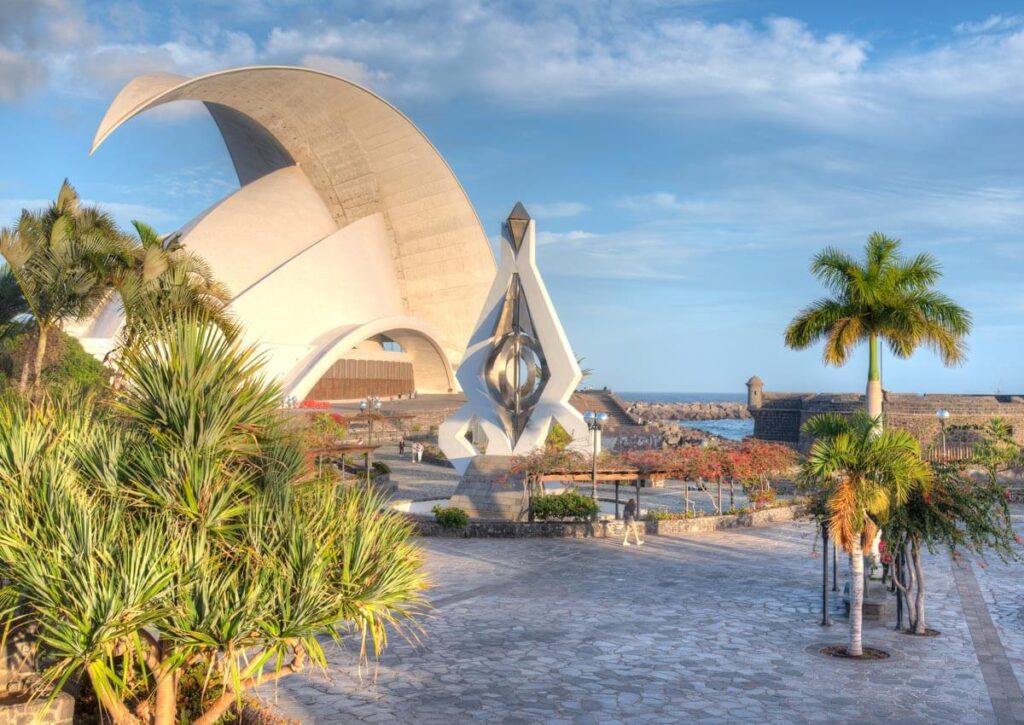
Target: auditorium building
column 355, row 261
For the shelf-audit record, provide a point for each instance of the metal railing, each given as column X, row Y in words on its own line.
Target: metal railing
column 950, row 454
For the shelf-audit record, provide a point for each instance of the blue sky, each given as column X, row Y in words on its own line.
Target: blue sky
column 683, row 160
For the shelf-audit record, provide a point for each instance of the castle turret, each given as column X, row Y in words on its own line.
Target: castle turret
column 755, row 393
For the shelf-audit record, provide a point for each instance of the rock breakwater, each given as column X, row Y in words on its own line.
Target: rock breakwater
column 651, row 412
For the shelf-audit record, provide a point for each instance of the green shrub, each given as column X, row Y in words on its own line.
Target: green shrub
column 664, row 515
column 558, row 437
column 451, row 518
column 66, row 365
column 380, row 468
column 568, row 505
column 737, row 510
column 74, row 367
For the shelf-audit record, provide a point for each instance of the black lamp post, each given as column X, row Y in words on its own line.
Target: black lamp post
column 825, row 621
column 595, row 421
column 369, row 407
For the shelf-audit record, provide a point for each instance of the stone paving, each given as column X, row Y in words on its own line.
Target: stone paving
column 717, row 628
column 1001, row 591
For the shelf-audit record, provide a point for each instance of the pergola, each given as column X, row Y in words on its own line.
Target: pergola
column 617, row 476
column 341, row 450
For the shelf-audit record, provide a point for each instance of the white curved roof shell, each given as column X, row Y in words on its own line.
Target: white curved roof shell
column 346, row 217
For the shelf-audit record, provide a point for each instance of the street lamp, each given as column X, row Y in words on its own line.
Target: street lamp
column 595, row 421
column 943, row 415
column 369, row 407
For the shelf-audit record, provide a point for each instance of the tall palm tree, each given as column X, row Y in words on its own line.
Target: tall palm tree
column 160, row 279
column 883, row 297
column 59, row 258
column 863, row 474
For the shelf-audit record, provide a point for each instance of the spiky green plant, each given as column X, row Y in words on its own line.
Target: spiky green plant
column 180, row 528
column 885, row 297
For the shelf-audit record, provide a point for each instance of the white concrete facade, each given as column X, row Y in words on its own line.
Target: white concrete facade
column 348, row 224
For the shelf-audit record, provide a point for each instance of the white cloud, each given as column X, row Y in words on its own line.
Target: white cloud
column 659, row 201
column 993, row 23
column 18, row 75
column 352, row 70
column 577, row 235
column 105, row 68
column 557, row 210
column 606, row 56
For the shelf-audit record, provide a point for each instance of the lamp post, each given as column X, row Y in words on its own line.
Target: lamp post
column 369, row 407
column 595, row 421
column 943, row 415
column 825, row 620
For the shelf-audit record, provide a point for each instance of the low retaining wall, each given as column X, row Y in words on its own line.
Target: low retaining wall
column 259, row 712
column 426, row 526
column 61, row 711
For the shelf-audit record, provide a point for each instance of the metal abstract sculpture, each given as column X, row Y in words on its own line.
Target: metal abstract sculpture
column 519, row 371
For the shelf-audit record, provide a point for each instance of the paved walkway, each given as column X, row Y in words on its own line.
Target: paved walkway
column 717, row 628
column 1003, row 688
column 428, row 481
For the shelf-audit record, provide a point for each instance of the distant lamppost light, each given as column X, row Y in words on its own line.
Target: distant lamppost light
column 595, row 422
column 369, row 406
column 943, row 415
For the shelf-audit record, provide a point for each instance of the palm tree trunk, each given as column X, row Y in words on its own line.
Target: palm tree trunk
column 40, row 357
column 111, row 703
column 166, row 690
column 26, row 366
column 919, row 626
column 874, row 390
column 856, row 648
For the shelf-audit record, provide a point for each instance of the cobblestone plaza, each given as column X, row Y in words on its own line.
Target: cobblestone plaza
column 723, row 627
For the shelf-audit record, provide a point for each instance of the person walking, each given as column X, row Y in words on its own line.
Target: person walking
column 419, row 453
column 401, row 447
column 629, row 518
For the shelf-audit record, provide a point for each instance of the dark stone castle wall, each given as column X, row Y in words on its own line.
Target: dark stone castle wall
column 781, row 416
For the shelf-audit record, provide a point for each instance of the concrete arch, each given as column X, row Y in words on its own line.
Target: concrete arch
column 362, row 157
column 431, row 365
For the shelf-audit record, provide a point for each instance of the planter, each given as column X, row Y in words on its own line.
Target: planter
column 17, row 709
column 483, row 529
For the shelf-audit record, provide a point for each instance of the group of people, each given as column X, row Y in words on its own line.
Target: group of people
column 416, row 450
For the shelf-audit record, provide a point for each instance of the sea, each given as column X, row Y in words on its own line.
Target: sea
column 732, row 428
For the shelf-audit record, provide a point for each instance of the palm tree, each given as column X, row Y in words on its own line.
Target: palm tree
column 862, row 474
column 12, row 305
column 59, row 258
column 884, row 297
column 160, row 279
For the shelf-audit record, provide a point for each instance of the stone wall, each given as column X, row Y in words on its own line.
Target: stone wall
column 18, row 679
column 780, row 416
column 426, row 526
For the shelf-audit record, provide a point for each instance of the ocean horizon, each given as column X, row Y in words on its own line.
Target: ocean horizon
column 668, row 397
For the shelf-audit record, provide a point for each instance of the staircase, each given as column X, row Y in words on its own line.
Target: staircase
column 604, row 401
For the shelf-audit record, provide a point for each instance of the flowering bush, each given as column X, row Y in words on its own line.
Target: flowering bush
column 314, row 404
column 325, row 429
column 763, row 498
